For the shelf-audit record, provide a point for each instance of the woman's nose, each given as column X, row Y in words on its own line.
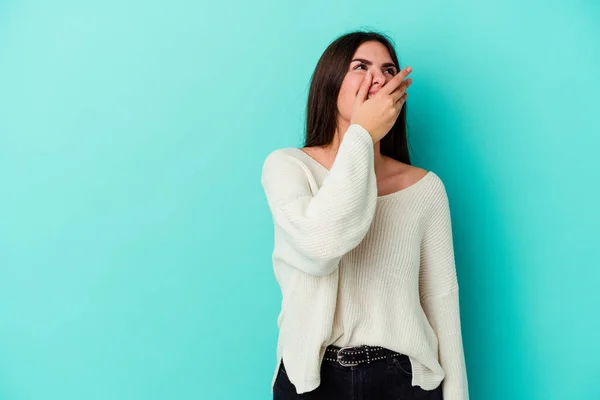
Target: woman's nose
column 378, row 77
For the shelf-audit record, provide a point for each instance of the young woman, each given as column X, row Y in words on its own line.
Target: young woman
column 363, row 248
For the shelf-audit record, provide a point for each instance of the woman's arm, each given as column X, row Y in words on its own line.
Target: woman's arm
column 438, row 290
column 324, row 226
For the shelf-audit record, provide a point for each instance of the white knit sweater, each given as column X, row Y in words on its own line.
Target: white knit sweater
column 357, row 268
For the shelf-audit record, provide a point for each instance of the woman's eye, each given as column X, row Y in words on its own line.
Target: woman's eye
column 391, row 70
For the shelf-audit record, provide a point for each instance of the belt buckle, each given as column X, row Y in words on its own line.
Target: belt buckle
column 339, row 357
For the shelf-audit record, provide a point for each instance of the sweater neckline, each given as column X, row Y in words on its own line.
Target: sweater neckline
column 382, row 197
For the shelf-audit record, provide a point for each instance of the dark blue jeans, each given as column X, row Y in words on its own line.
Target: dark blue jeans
column 382, row 380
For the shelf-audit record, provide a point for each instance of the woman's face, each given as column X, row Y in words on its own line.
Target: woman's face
column 372, row 56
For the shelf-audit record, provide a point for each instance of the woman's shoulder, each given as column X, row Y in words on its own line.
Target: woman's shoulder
column 420, row 182
column 411, row 173
column 403, row 175
column 283, row 155
column 286, row 161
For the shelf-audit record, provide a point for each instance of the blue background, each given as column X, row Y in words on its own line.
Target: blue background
column 135, row 239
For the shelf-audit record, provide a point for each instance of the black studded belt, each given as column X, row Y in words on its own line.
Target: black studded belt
column 355, row 355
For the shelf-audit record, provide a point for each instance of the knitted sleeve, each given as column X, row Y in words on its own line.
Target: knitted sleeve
column 322, row 227
column 438, row 290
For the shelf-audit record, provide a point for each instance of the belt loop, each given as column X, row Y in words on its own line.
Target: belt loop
column 389, row 358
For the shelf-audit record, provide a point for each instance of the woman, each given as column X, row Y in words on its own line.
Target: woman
column 363, row 248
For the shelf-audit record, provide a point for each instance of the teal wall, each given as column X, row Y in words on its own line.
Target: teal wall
column 135, row 240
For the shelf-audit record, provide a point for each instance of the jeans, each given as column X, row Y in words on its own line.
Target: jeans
column 381, row 380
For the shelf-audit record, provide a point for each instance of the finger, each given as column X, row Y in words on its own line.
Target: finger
column 396, row 81
column 364, row 88
column 401, row 90
column 400, row 102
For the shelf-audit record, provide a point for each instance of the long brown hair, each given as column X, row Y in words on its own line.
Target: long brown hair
column 326, row 80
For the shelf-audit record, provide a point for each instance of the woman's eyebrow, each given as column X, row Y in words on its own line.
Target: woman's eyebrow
column 370, row 63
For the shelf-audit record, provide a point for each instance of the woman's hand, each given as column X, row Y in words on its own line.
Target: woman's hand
column 379, row 113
